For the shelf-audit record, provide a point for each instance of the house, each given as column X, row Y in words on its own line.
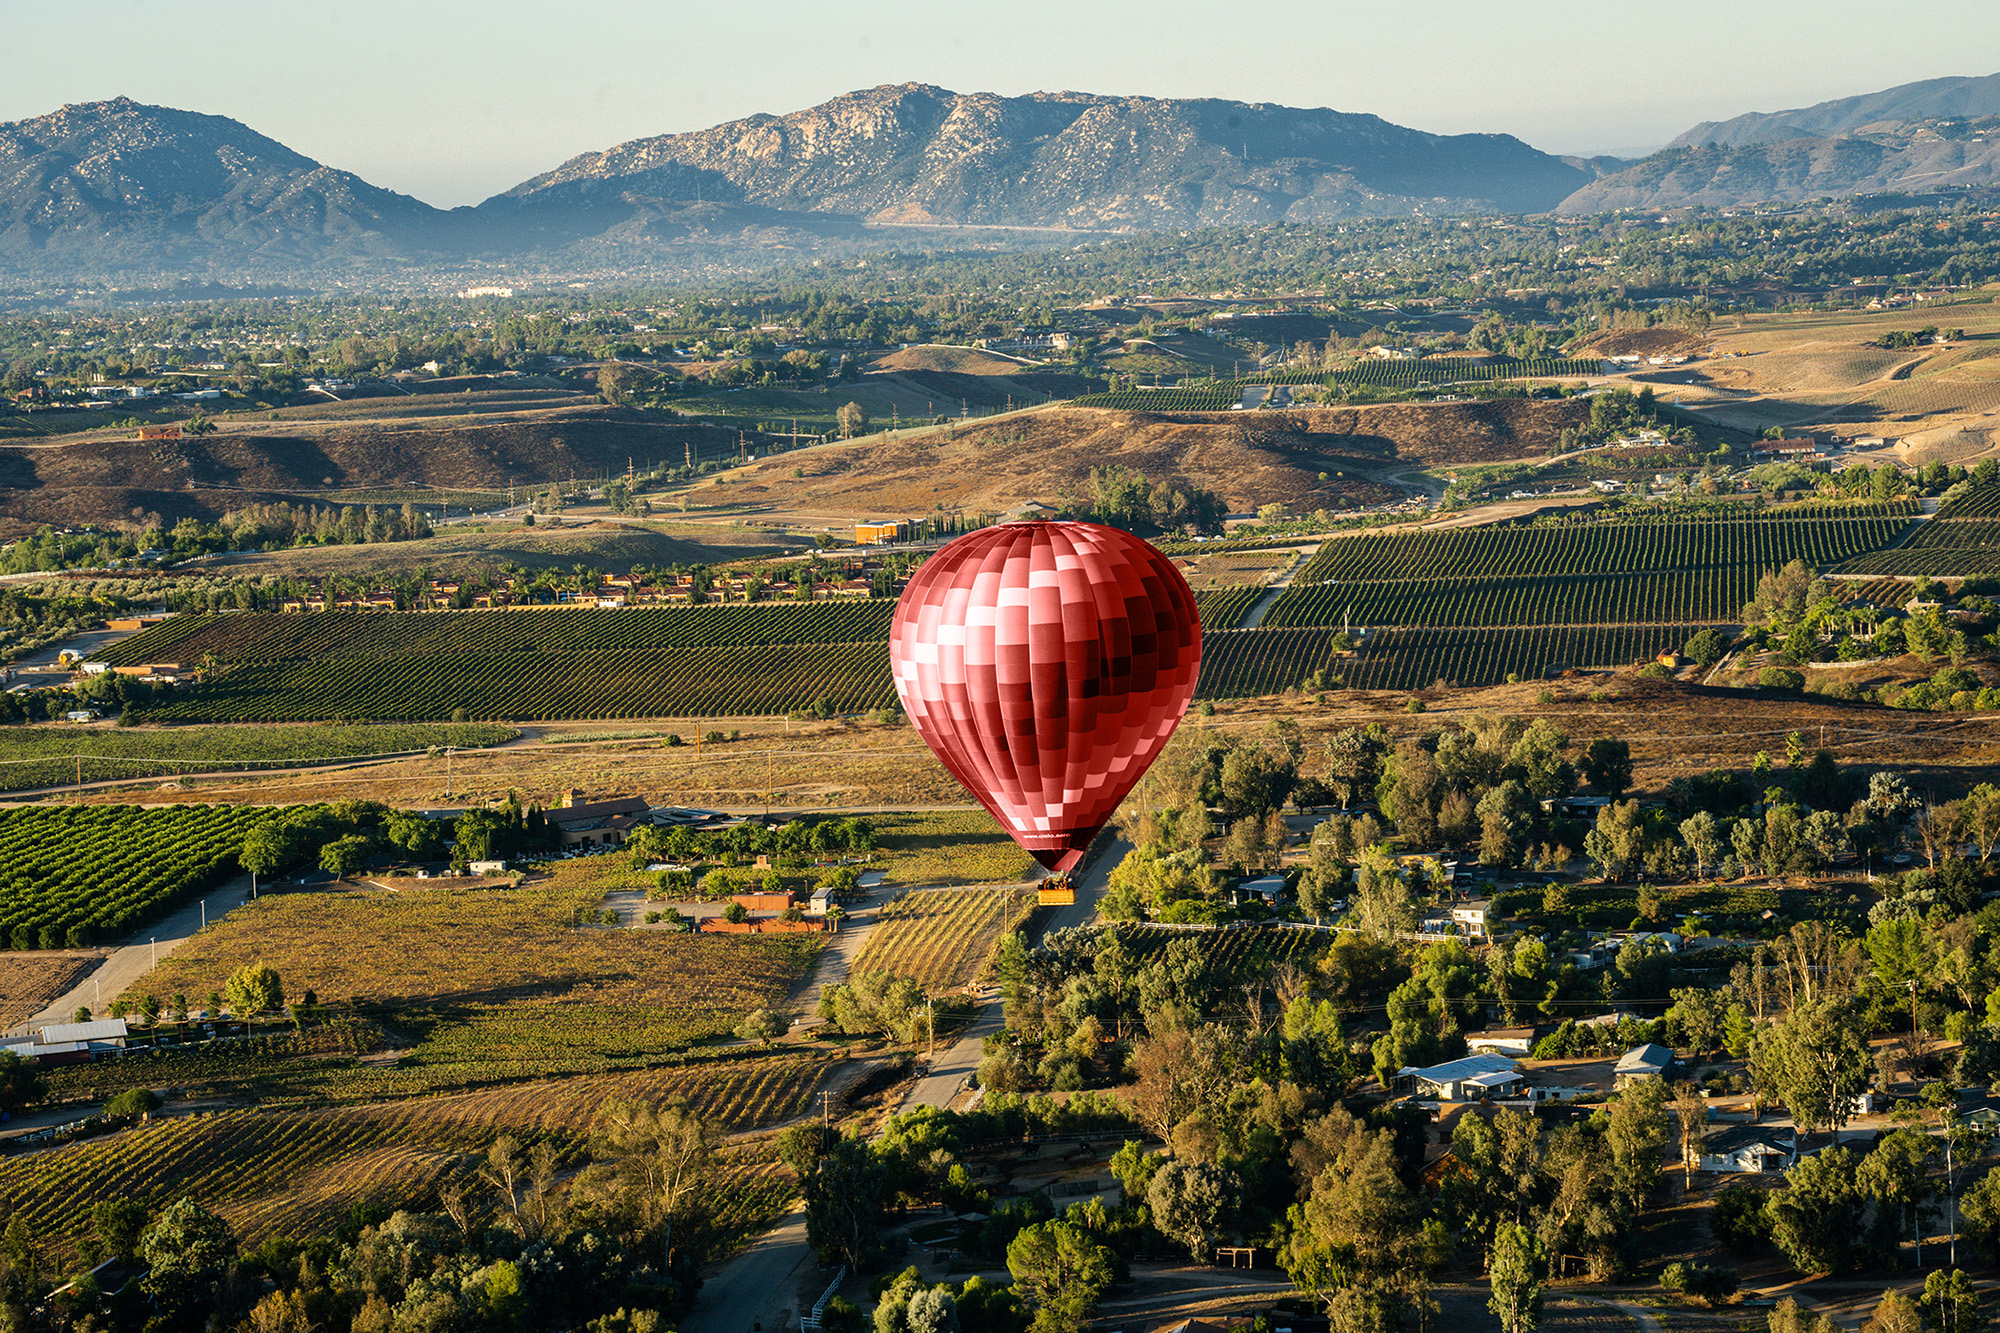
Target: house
column 1264, row 889
column 1470, row 1078
column 1470, row 918
column 581, row 823
column 159, row 432
column 1642, row 1063
column 81, row 715
column 1501, row 1041
column 1753, row 1149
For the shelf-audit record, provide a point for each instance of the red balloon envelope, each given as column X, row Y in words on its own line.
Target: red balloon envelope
column 1047, row 664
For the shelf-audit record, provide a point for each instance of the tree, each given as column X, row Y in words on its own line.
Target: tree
column 1515, row 1267
column 119, row 1224
column 763, row 1026
column 1815, row 1061
column 20, row 1082
column 1607, row 766
column 1816, row 1218
column 1791, row 1317
column 254, row 988
column 1637, row 1135
column 1707, row 647
column 662, row 1158
column 419, row 838
column 188, row 1250
column 345, row 856
column 1062, row 1272
column 1951, row 1303
column 268, row 848
column 1192, row 1203
column 852, row 419
column 843, row 1184
column 1358, row 1243
column 1690, row 1123
column 1896, row 1313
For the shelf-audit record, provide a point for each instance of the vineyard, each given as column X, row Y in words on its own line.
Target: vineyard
column 1164, row 400
column 1246, row 663
column 299, row 1171
column 1222, row 395
column 1976, row 502
column 381, row 634
column 1938, row 562
column 943, row 938
column 1597, row 548
column 1579, row 599
column 45, row 756
column 71, row 875
column 1233, row 952
column 655, row 682
column 1452, row 370
column 1224, row 608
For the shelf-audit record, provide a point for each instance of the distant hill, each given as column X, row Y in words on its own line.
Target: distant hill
column 108, row 185
column 919, row 155
column 1721, row 176
column 1931, row 99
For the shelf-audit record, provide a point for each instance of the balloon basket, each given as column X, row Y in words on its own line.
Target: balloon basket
column 1055, row 891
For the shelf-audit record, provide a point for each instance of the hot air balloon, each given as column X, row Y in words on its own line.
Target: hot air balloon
column 1047, row 664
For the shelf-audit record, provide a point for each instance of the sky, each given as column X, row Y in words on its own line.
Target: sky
column 453, row 101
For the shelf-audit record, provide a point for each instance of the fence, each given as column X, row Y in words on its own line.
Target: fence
column 809, row 1323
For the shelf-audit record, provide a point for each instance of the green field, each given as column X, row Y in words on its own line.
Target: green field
column 377, row 634
column 1578, row 599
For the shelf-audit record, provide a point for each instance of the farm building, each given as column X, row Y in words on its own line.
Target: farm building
column 597, row 823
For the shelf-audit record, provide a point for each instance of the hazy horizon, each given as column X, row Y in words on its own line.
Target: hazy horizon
column 456, row 102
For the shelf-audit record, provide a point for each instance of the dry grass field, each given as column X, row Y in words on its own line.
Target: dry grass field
column 28, row 982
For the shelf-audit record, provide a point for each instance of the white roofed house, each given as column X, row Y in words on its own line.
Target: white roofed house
column 1470, row 1078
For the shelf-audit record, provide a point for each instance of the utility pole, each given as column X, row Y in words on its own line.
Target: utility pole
column 204, row 914
column 155, row 942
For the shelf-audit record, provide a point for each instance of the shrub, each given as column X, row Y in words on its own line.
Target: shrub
column 1780, row 678
column 133, row 1101
column 1706, row 1283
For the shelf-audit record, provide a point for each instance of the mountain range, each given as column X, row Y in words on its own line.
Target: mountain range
column 120, row 187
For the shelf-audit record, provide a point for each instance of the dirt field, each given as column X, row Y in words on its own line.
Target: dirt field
column 1307, row 460
column 1675, row 730
column 29, row 981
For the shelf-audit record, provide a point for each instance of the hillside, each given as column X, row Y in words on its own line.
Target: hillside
column 1248, row 459
column 1919, row 157
column 914, row 154
column 107, row 185
column 1930, row 99
column 108, row 476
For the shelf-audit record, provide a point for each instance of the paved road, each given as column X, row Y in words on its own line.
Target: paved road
column 760, row 1285
column 134, row 959
column 1256, row 614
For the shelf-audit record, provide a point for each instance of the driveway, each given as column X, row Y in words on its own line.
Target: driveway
column 128, row 964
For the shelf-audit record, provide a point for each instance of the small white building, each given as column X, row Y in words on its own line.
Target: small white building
column 1501, row 1041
